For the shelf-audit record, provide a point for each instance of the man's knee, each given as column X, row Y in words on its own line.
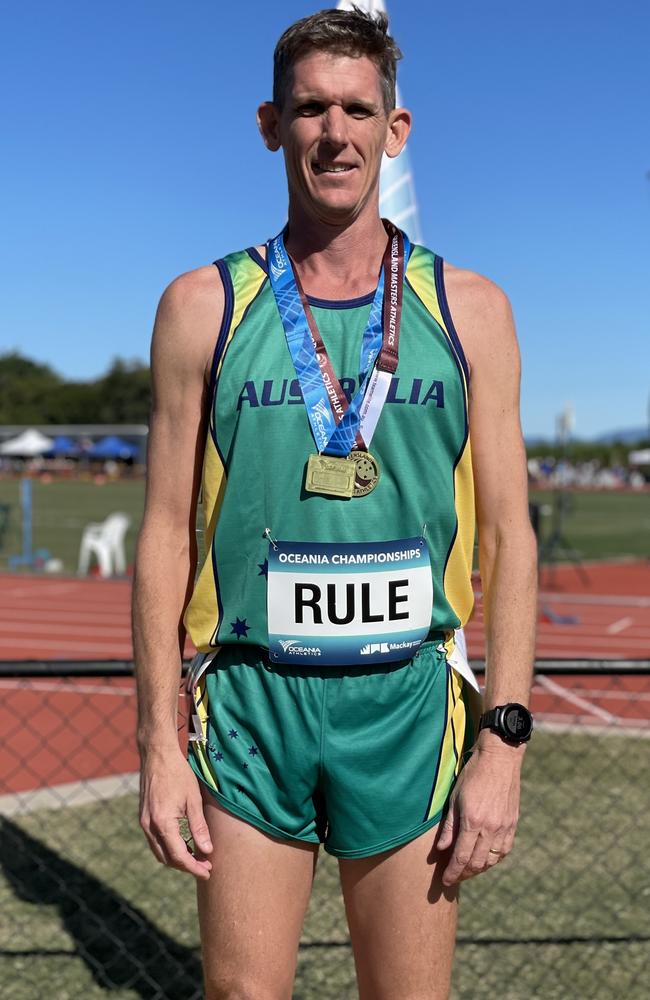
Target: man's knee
column 243, row 987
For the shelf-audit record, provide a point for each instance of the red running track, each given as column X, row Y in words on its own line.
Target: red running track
column 63, row 730
column 72, row 619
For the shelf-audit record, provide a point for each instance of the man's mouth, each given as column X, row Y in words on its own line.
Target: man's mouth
column 331, row 168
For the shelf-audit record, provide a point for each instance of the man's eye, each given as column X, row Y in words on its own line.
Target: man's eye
column 358, row 111
column 309, row 110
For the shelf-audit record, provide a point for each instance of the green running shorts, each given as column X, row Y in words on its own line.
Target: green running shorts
column 360, row 759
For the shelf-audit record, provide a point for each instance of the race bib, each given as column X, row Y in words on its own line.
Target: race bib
column 348, row 603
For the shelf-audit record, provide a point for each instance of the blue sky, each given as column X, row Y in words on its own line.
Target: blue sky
column 133, row 155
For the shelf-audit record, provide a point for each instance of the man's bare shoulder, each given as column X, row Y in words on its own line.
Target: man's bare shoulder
column 198, row 293
column 480, row 310
column 189, row 317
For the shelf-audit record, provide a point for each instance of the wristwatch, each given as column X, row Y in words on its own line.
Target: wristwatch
column 512, row 722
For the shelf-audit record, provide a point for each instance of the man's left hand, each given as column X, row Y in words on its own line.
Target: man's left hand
column 483, row 810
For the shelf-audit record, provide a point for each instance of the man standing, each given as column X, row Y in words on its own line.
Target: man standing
column 320, row 396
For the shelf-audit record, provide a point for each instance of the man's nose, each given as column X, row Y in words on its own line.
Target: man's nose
column 335, row 126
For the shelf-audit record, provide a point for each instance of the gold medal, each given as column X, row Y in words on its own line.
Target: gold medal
column 366, row 472
column 330, row 475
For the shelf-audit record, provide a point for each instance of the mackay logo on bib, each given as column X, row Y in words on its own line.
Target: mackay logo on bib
column 348, row 603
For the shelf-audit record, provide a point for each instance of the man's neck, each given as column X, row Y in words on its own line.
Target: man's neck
column 337, row 262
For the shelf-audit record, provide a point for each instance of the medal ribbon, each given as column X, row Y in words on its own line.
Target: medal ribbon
column 337, row 426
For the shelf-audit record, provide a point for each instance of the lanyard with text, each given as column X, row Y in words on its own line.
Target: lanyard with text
column 341, row 429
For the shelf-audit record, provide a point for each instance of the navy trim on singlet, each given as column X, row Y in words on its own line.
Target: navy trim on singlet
column 255, row 255
column 438, row 273
column 362, row 300
column 459, row 359
column 228, row 307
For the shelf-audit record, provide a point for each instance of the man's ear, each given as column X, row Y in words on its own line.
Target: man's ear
column 399, row 126
column 268, row 122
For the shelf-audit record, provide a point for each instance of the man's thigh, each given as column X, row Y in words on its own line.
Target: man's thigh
column 402, row 921
column 251, row 909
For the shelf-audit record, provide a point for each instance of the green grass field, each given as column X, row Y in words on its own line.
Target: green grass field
column 62, row 508
column 85, row 911
column 602, row 525
column 599, row 525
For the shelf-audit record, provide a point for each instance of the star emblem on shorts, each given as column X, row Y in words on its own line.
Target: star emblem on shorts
column 245, row 766
column 240, row 628
column 218, row 755
column 253, row 751
column 264, row 569
column 233, row 734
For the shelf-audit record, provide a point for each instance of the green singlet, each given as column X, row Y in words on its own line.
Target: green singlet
column 284, row 746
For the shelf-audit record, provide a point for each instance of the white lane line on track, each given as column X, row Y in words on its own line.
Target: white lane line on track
column 620, row 625
column 559, row 633
column 71, row 793
column 46, row 587
column 568, row 653
column 553, row 724
column 575, row 699
column 614, row 599
column 121, row 632
column 605, row 648
column 68, row 647
column 62, row 615
column 73, row 609
column 633, row 696
column 27, row 684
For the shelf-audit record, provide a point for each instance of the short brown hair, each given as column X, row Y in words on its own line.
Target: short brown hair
column 342, row 32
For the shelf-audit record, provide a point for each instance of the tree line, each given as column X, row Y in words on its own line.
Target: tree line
column 33, row 393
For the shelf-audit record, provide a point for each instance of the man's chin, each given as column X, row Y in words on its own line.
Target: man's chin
column 337, row 213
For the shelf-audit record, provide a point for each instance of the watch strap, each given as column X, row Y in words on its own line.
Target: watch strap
column 488, row 719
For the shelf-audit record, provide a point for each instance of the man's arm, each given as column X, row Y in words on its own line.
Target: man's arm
column 185, row 331
column 484, row 807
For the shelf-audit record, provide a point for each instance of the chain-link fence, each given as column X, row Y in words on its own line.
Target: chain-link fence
column 86, row 911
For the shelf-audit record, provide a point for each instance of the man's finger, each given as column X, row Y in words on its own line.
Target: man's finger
column 496, row 851
column 445, row 834
column 481, row 858
column 460, row 856
column 156, row 848
column 198, row 826
column 446, row 831
column 178, row 855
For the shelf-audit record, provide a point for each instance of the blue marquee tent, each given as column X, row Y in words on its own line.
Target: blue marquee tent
column 112, row 447
column 64, row 446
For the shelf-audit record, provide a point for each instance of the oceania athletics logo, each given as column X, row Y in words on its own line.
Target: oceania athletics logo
column 322, row 415
column 292, row 646
column 279, row 267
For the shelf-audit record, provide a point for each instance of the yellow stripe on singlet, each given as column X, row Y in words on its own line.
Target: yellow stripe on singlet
column 458, row 571
column 199, row 619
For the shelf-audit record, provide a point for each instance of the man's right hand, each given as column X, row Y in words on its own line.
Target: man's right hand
column 169, row 792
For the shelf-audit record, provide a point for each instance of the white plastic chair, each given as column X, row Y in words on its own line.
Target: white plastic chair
column 106, row 542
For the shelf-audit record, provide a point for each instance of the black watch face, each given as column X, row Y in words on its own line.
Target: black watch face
column 517, row 722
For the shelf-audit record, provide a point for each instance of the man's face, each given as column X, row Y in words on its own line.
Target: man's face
column 333, row 129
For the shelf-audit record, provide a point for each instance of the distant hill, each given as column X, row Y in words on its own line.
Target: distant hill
column 629, row 436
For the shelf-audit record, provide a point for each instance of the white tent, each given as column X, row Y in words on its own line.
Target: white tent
column 640, row 457
column 28, row 444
